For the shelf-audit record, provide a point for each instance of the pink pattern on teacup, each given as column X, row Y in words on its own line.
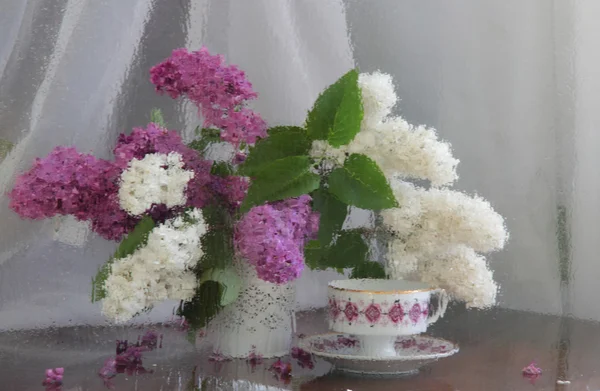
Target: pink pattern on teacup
column 373, row 313
column 351, row 311
column 415, row 313
column 396, row 313
column 334, row 309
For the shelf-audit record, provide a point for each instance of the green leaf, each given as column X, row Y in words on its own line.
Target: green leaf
column 349, row 115
column 283, row 141
column 190, row 335
column 230, row 283
column 157, row 117
column 368, row 270
column 283, row 178
column 207, row 137
column 5, row 148
column 314, row 255
column 98, row 289
column 349, row 250
column 217, row 245
column 203, row 306
column 217, row 242
column 321, row 117
column 222, row 169
column 361, row 183
column 215, row 216
column 333, row 213
column 136, row 238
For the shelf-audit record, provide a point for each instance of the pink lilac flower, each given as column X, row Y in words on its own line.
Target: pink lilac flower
column 128, row 358
column 272, row 238
column 305, row 359
column 218, row 357
column 232, row 189
column 220, row 91
column 532, row 370
column 150, row 339
column 54, row 379
column 67, row 182
column 239, row 158
column 282, row 370
column 155, row 139
column 254, row 358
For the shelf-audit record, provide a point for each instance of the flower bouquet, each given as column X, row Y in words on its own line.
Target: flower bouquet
column 276, row 203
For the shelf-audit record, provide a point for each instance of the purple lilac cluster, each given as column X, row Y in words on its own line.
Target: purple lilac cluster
column 282, row 371
column 231, row 190
column 67, row 182
column 54, row 379
column 272, row 238
column 129, row 358
column 305, row 359
column 220, row 91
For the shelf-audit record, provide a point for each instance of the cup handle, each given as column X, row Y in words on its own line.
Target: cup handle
column 441, row 308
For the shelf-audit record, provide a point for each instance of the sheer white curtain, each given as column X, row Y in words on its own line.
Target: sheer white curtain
column 512, row 84
column 76, row 72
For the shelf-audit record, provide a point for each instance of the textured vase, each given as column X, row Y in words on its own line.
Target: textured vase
column 260, row 321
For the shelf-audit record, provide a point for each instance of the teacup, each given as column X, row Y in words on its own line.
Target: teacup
column 378, row 311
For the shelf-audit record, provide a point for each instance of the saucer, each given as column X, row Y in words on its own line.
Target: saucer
column 412, row 353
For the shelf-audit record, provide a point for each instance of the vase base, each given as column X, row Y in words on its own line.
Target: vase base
column 260, row 322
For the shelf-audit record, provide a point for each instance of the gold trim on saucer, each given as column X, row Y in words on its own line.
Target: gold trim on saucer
column 391, row 292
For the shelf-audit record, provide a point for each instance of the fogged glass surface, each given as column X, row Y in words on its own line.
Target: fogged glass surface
column 512, row 85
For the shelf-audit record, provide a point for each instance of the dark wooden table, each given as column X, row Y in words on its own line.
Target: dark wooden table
column 495, row 346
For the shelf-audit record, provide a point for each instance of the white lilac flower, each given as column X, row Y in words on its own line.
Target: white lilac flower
column 431, row 220
column 452, row 217
column 154, row 179
column 402, row 150
column 403, row 220
column 158, row 271
column 436, row 233
column 463, row 274
column 401, row 264
column 321, row 150
column 378, row 96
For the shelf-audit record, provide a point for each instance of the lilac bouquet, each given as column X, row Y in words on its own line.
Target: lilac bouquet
column 279, row 202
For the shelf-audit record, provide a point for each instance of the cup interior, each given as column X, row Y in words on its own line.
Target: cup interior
column 379, row 286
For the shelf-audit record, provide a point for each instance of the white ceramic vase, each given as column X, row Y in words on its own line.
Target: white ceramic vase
column 260, row 321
